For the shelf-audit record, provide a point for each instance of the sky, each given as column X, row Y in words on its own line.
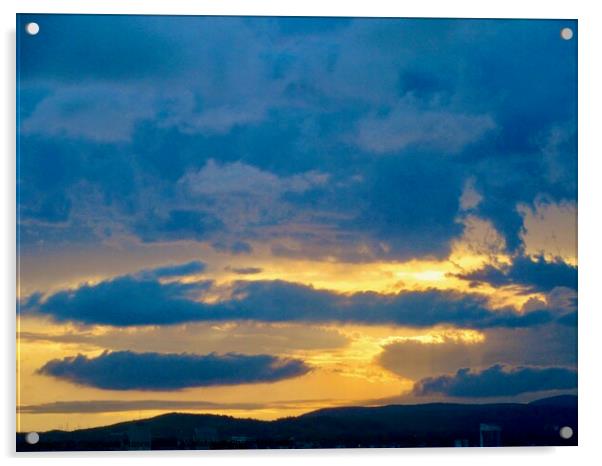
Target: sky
column 261, row 216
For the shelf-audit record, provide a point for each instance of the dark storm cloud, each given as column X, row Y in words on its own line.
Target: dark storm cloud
column 127, row 300
column 411, row 205
column 131, row 300
column 48, row 168
column 125, row 48
column 398, row 129
column 533, row 151
column 58, row 177
column 125, row 370
column 498, row 381
column 180, row 224
column 536, row 274
column 285, row 301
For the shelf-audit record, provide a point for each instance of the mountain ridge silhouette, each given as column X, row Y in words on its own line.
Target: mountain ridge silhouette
column 408, row 425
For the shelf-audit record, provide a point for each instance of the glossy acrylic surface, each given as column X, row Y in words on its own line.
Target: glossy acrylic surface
column 315, row 226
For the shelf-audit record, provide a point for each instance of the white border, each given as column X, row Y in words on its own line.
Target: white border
column 590, row 223
column 424, row 8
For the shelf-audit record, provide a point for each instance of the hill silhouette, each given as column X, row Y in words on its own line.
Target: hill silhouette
column 420, row 425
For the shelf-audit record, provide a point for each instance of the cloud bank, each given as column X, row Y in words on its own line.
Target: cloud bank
column 498, row 380
column 345, row 132
column 130, row 300
column 535, row 274
column 126, row 370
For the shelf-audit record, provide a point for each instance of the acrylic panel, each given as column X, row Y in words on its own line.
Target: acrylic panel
column 270, row 232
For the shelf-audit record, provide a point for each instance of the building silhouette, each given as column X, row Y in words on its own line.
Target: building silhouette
column 490, row 435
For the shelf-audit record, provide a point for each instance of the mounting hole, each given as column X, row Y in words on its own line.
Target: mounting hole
column 566, row 432
column 566, row 33
column 32, row 438
column 32, row 28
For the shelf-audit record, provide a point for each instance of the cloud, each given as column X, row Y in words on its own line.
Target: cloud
column 235, row 247
column 498, row 380
column 551, row 344
column 569, row 319
column 242, row 179
column 93, row 113
column 128, row 300
column 536, row 274
column 179, row 270
column 285, row 301
column 551, row 230
column 409, row 206
column 269, row 115
column 414, row 360
column 244, row 270
column 248, row 200
column 109, row 406
column 408, row 126
column 125, row 370
column 112, row 406
column 178, row 224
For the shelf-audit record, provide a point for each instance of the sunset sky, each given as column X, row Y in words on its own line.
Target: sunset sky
column 261, row 217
